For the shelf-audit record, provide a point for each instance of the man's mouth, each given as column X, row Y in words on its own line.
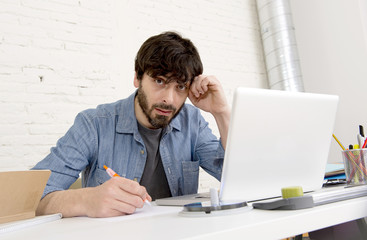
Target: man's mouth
column 163, row 112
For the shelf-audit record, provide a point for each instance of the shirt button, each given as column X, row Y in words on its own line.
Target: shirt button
column 135, row 179
column 142, row 151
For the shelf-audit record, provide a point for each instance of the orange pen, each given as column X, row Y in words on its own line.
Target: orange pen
column 110, row 172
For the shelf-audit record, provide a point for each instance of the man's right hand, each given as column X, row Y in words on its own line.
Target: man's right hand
column 117, row 196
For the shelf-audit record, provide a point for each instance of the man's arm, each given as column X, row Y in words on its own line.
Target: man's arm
column 207, row 94
column 118, row 196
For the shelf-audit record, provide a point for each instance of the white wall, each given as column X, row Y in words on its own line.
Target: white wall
column 55, row 60
column 332, row 43
column 59, row 57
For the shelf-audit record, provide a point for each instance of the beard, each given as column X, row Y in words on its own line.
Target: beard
column 157, row 121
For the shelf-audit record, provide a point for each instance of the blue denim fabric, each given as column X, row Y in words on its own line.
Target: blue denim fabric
column 108, row 135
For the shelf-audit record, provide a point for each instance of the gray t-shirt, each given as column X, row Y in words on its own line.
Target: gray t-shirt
column 154, row 178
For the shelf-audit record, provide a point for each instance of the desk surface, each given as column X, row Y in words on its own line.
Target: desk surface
column 251, row 224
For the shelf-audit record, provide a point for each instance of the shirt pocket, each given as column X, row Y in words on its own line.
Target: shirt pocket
column 101, row 176
column 190, row 171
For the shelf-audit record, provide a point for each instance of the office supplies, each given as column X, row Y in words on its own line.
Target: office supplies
column 337, row 140
column 334, row 174
column 333, row 181
column 214, row 205
column 312, row 199
column 289, row 192
column 299, row 129
column 360, row 136
column 293, row 199
column 20, row 193
column 361, row 132
column 364, row 144
column 214, row 199
column 355, row 162
column 183, row 200
column 334, row 169
column 112, row 173
column 204, row 208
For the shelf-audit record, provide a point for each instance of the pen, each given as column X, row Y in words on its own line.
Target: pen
column 112, row 173
column 360, row 136
column 364, row 144
column 361, row 130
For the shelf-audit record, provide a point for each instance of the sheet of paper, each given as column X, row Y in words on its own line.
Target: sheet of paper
column 17, row 225
column 146, row 211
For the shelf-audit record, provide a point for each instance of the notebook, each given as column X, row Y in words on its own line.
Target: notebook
column 20, row 193
column 276, row 139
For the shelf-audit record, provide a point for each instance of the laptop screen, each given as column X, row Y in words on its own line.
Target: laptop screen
column 276, row 139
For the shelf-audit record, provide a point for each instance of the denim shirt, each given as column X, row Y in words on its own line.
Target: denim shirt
column 108, row 135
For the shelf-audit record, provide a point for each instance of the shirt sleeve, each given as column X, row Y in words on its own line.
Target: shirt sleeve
column 209, row 150
column 71, row 155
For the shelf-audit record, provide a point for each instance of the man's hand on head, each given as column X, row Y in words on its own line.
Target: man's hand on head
column 207, row 93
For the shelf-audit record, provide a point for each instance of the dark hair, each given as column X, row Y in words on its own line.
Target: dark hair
column 168, row 55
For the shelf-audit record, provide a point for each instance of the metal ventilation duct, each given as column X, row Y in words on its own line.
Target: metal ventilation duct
column 280, row 47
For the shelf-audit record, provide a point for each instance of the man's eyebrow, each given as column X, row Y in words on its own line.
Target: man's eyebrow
column 161, row 78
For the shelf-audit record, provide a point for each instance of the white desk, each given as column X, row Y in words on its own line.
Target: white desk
column 253, row 224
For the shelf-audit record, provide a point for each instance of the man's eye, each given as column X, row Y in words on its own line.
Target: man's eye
column 159, row 81
column 181, row 87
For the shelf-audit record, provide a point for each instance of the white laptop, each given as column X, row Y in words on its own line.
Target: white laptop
column 276, row 139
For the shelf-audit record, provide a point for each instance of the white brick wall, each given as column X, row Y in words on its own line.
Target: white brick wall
column 58, row 57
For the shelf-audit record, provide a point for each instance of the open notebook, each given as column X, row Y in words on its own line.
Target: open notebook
column 276, row 139
column 20, row 193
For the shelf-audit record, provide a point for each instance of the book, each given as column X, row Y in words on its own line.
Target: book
column 334, row 169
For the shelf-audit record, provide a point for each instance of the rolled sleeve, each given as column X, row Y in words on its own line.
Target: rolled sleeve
column 209, row 151
column 71, row 154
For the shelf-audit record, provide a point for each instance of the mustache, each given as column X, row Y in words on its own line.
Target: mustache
column 164, row 106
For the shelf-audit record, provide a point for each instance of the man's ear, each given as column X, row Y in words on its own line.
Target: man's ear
column 136, row 81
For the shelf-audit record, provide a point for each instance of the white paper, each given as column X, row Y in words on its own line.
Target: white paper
column 146, row 211
column 17, row 225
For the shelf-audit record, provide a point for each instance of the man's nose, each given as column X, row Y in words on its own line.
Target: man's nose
column 168, row 95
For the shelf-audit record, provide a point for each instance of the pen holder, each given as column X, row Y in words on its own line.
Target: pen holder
column 355, row 162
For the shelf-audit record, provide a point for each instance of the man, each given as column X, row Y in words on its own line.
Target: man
column 152, row 139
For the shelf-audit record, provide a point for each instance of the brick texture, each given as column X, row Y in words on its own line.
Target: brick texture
column 59, row 57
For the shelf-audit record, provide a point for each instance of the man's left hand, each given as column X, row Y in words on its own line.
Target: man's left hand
column 207, row 94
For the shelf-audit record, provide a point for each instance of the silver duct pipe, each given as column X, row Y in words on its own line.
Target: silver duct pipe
column 280, row 47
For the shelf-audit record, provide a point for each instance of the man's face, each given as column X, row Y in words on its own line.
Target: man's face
column 158, row 100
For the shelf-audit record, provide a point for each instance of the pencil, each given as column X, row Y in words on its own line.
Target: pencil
column 340, row 144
